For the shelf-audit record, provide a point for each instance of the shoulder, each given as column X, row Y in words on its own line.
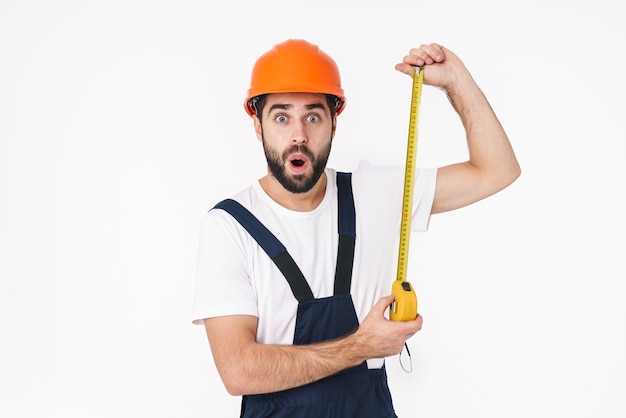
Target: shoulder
column 217, row 224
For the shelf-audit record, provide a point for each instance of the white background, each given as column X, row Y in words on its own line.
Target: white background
column 121, row 122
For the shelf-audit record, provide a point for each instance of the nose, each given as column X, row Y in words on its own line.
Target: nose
column 298, row 134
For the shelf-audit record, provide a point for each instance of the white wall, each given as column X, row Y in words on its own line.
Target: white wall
column 121, row 122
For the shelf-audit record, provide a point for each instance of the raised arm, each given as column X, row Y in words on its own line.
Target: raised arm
column 247, row 367
column 492, row 164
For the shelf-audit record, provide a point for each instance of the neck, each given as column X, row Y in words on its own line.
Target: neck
column 300, row 202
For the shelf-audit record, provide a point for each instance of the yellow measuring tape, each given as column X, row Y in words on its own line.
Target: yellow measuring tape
column 404, row 307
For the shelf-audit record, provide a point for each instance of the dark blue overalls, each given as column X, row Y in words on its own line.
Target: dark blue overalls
column 354, row 392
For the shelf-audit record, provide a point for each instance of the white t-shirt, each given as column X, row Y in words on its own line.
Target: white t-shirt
column 236, row 277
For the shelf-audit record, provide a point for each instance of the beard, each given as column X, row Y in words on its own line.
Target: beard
column 298, row 183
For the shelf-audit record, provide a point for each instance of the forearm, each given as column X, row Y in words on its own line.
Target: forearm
column 489, row 148
column 265, row 368
column 248, row 367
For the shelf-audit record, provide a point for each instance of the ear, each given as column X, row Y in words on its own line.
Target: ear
column 258, row 129
column 332, row 136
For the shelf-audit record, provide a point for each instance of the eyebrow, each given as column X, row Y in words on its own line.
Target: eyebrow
column 288, row 106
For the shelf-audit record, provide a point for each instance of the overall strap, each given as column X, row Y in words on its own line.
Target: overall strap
column 347, row 234
column 283, row 260
column 272, row 246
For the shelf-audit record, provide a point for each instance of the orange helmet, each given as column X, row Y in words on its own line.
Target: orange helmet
column 295, row 66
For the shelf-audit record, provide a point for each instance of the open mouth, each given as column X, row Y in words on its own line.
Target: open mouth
column 298, row 162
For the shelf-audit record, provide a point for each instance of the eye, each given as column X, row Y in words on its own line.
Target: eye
column 312, row 118
column 281, row 118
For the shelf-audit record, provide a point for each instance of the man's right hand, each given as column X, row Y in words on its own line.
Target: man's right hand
column 381, row 337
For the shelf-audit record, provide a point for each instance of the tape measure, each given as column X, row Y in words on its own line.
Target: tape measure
column 404, row 307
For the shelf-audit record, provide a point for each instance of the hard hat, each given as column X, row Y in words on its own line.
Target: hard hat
column 295, row 66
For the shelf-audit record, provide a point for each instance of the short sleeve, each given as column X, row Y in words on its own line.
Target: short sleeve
column 223, row 284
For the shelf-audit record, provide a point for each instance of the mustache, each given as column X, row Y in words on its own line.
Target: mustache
column 302, row 149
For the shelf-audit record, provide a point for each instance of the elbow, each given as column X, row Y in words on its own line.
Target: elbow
column 239, row 381
column 501, row 179
column 515, row 172
column 234, row 389
column 508, row 174
column 235, row 384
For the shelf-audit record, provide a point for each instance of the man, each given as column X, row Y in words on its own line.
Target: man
column 293, row 272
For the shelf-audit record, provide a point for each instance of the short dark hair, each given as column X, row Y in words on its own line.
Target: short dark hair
column 258, row 103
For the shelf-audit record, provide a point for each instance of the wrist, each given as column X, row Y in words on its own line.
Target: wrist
column 461, row 84
column 355, row 347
